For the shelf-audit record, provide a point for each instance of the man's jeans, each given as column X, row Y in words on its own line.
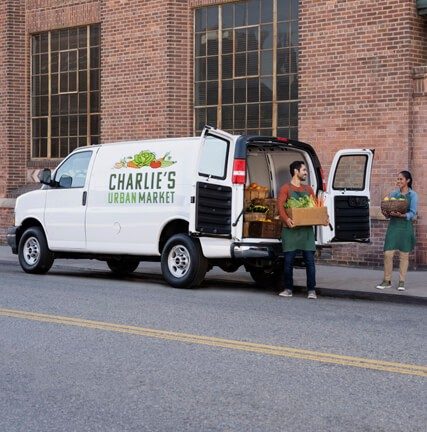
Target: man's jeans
column 310, row 269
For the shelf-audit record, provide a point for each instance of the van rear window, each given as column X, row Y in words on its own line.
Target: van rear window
column 214, row 157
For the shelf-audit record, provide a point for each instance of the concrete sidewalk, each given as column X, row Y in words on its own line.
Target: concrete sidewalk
column 332, row 281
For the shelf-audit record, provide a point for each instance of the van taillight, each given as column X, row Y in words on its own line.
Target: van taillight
column 322, row 176
column 239, row 171
column 281, row 139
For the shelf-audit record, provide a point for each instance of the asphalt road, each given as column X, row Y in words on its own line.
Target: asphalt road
column 94, row 373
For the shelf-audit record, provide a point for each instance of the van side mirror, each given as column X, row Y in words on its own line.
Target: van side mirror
column 45, row 176
column 65, row 181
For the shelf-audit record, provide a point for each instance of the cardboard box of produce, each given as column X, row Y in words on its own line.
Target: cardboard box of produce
column 308, row 216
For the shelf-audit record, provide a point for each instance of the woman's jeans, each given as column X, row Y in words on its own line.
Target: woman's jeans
column 310, row 269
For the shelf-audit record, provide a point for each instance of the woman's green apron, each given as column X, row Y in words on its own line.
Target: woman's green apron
column 299, row 238
column 400, row 233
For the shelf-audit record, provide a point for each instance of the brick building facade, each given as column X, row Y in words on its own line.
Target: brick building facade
column 362, row 82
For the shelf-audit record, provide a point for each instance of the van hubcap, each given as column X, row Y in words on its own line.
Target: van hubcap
column 31, row 251
column 179, row 261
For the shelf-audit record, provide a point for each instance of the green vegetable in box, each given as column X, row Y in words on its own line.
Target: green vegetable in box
column 305, row 201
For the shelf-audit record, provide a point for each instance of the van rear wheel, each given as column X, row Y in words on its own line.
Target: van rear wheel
column 33, row 252
column 183, row 263
column 123, row 266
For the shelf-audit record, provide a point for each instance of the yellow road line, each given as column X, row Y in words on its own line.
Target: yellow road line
column 282, row 351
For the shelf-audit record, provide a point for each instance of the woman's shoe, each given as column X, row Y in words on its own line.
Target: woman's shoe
column 384, row 284
column 401, row 286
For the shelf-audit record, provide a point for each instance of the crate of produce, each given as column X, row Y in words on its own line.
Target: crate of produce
column 394, row 205
column 269, row 203
column 254, row 216
column 255, row 191
column 308, row 216
column 265, row 229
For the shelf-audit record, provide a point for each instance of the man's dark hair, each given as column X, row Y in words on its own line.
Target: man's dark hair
column 296, row 165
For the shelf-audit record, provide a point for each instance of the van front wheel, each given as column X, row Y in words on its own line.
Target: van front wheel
column 183, row 263
column 33, row 252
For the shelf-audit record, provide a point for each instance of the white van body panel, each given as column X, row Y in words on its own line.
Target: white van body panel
column 30, row 205
column 128, row 206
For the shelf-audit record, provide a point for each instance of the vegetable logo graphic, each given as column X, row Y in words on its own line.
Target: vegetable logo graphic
column 145, row 158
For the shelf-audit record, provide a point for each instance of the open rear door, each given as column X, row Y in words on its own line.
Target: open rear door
column 211, row 201
column 348, row 197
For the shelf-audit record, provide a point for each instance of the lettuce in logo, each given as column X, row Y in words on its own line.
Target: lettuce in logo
column 145, row 158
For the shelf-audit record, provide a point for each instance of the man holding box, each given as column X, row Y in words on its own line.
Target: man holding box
column 297, row 238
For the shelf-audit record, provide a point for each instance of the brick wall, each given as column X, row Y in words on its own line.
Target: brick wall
column 355, row 88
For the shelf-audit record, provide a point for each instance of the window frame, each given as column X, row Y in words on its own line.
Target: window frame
column 227, row 151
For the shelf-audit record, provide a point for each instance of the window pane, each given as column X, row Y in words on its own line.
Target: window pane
column 94, row 79
column 266, row 115
column 294, row 86
column 35, row 44
column 94, row 58
column 240, row 90
column 44, row 43
column 83, row 58
column 212, row 17
column 227, row 16
column 73, row 125
column 72, row 82
column 94, row 124
column 253, row 12
column 253, row 116
column 36, row 64
column 252, row 39
column 214, row 157
column 240, row 65
column 63, row 39
column 227, row 66
column 73, row 41
column 94, row 35
column 82, row 103
column 63, row 82
column 94, row 102
column 74, row 104
column 283, row 10
column 200, row 19
column 267, row 10
column 227, row 42
column 294, row 9
column 267, row 36
column 54, row 148
column 54, row 40
column 44, row 105
column 253, row 90
column 212, row 93
column 83, row 125
column 200, row 118
column 63, row 126
column 294, row 33
column 266, row 89
column 294, row 114
column 283, row 114
column 267, row 62
column 63, row 61
column 294, row 60
column 227, row 117
column 200, row 69
column 55, row 126
column 211, row 116
column 54, row 63
column 239, row 14
column 212, row 43
column 252, row 63
column 227, row 92
column 283, row 87
column 200, row 44
column 72, row 61
column 82, row 36
column 212, row 68
column 240, row 36
column 282, row 61
column 44, row 63
column 63, row 102
column 200, row 94
column 54, row 104
column 239, row 116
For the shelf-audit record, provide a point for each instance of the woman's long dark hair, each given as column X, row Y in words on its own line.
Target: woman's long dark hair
column 408, row 176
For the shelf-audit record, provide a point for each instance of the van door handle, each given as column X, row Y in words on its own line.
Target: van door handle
column 84, row 198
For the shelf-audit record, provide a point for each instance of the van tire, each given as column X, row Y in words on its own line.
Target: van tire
column 183, row 263
column 33, row 252
column 266, row 278
column 123, row 266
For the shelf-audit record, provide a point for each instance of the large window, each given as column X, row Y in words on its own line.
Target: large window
column 65, row 90
column 246, row 66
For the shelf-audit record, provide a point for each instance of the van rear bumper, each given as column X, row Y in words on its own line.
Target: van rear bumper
column 243, row 250
column 11, row 235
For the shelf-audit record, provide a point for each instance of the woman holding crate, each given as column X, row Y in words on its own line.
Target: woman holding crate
column 400, row 231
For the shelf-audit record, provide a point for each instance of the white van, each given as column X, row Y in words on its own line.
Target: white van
column 180, row 201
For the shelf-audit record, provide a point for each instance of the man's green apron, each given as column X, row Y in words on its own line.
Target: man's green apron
column 400, row 233
column 298, row 238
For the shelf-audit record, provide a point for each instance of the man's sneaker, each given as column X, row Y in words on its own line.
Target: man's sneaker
column 384, row 284
column 286, row 293
column 401, row 286
column 312, row 295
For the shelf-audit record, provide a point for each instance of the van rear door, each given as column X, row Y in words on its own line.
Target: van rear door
column 211, row 201
column 348, row 197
